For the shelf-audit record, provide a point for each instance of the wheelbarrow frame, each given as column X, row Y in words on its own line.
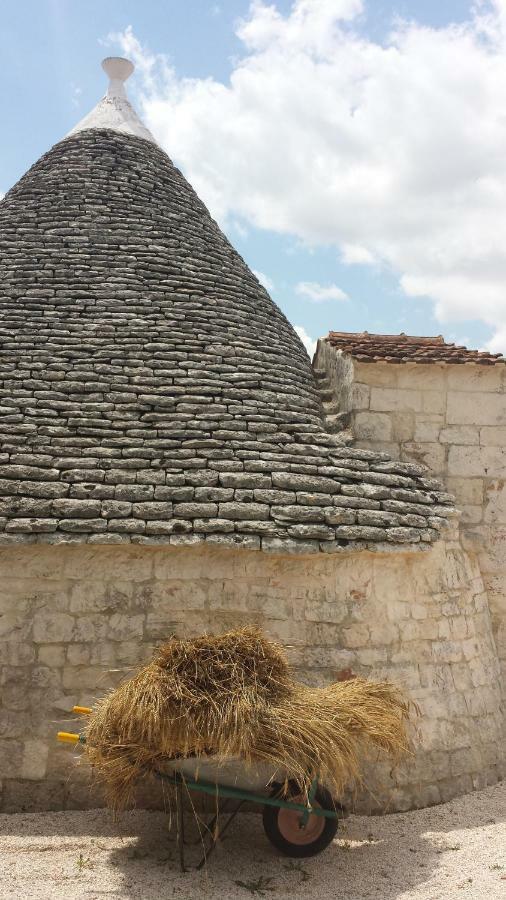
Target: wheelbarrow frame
column 221, row 792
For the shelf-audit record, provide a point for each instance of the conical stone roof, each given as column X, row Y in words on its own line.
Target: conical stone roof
column 151, row 389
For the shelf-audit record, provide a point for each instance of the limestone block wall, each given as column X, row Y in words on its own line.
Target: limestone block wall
column 76, row 619
column 451, row 418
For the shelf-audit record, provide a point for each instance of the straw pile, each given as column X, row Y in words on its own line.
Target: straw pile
column 233, row 695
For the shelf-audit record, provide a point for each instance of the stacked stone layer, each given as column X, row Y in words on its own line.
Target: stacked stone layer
column 152, row 391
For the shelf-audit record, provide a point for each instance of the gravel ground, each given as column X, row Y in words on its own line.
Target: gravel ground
column 453, row 851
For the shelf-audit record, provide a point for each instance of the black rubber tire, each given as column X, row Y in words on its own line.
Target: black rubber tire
column 298, row 851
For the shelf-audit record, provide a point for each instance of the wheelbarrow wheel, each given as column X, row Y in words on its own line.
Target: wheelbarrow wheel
column 283, row 826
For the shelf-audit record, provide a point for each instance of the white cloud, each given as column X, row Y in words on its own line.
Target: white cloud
column 318, row 293
column 498, row 342
column 354, row 253
column 264, row 280
column 394, row 153
column 309, row 342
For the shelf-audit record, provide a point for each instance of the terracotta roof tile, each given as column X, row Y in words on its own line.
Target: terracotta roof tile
column 404, row 348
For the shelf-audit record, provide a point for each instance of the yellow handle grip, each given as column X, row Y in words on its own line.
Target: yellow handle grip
column 81, row 710
column 67, row 737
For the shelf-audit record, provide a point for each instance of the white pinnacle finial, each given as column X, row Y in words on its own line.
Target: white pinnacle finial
column 114, row 111
column 118, row 70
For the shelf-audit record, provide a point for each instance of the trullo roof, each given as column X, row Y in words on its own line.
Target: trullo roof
column 152, row 391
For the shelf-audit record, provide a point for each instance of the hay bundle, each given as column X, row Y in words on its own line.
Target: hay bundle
column 329, row 730
column 233, row 696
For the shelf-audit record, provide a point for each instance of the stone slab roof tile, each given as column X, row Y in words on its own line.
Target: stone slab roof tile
column 151, row 391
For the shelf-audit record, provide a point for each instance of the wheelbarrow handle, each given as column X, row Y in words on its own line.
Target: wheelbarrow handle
column 67, row 737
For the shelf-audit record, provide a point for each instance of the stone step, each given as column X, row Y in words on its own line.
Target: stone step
column 331, row 409
column 337, row 422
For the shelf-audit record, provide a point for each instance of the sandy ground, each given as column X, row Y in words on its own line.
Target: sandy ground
column 453, row 851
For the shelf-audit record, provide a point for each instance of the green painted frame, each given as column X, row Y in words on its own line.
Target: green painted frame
column 232, row 793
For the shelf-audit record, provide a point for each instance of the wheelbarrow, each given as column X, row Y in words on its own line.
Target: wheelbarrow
column 297, row 824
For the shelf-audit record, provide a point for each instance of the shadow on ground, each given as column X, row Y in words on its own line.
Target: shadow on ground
column 442, row 852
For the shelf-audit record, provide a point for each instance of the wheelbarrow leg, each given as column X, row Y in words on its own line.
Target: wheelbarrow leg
column 218, row 834
column 210, row 826
column 180, row 826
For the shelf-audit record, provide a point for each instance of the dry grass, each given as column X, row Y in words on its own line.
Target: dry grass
column 233, row 695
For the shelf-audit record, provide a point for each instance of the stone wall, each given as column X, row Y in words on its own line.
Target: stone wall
column 452, row 418
column 76, row 619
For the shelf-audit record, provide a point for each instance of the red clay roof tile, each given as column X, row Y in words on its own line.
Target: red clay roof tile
column 404, row 348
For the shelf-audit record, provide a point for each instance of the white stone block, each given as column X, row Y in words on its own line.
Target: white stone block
column 124, row 628
column 34, row 761
column 372, row 656
column 90, row 628
column 372, row 426
column 98, row 562
column 493, row 436
column 52, row 627
column 174, row 594
column 275, row 608
column 396, row 610
column 431, row 455
column 103, row 654
column 472, row 377
column 477, row 461
column 356, row 636
column 37, row 562
column 460, row 434
column 384, row 633
column 433, row 401
column 467, row 490
column 476, row 409
column 129, row 653
column 461, row 675
column 424, row 377
column 376, row 374
column 388, row 400
column 90, row 596
column 52, row 655
column 326, row 611
column 360, row 396
column 14, row 626
column 415, row 630
column 427, row 430
column 88, row 677
column 493, row 549
column 17, row 653
column 471, row 515
column 403, row 426
column 78, row 654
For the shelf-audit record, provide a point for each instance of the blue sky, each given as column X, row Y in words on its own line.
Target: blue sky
column 50, row 77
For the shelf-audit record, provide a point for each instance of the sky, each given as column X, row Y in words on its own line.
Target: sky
column 354, row 151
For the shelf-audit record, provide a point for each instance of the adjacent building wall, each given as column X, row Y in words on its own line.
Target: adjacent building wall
column 76, row 619
column 452, row 418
